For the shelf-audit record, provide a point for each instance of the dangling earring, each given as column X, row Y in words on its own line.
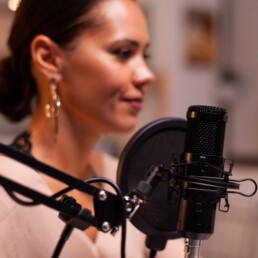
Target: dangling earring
column 52, row 107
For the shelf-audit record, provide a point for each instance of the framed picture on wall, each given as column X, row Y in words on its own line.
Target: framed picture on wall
column 201, row 37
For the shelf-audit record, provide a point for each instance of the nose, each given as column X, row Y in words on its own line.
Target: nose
column 143, row 75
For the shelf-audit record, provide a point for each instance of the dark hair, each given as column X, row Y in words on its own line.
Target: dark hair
column 57, row 19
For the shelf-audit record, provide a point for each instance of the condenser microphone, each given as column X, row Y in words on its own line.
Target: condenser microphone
column 203, row 150
column 173, row 175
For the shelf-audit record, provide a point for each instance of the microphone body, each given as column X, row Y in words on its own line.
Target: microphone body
column 203, row 145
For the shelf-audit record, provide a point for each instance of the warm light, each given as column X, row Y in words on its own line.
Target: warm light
column 13, row 4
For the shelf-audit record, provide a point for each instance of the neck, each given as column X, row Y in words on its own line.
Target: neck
column 70, row 150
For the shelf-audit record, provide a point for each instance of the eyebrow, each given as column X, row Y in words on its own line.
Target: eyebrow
column 134, row 43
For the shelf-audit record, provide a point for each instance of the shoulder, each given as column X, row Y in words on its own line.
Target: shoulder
column 11, row 167
column 21, row 174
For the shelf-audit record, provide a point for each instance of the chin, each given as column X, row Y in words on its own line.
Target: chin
column 125, row 126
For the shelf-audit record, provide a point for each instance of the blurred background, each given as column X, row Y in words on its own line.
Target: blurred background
column 203, row 53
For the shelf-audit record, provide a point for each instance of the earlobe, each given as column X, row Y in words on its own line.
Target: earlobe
column 46, row 56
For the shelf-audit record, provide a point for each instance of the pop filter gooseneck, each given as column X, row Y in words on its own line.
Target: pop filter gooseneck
column 159, row 142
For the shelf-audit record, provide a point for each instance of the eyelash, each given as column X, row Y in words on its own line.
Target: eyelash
column 146, row 56
column 124, row 54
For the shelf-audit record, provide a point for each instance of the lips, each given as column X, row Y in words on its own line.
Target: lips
column 135, row 103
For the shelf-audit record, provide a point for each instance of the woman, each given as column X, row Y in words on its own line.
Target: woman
column 79, row 68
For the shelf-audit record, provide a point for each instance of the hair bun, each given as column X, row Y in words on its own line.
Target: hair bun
column 12, row 103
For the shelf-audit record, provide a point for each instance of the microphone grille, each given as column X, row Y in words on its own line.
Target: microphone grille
column 205, row 130
column 207, row 109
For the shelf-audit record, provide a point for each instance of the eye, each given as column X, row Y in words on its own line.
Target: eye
column 124, row 53
column 146, row 56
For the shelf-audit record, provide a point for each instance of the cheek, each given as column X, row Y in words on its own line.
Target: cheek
column 98, row 73
column 93, row 88
column 93, row 85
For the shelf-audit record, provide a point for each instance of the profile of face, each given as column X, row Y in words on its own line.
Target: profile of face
column 104, row 72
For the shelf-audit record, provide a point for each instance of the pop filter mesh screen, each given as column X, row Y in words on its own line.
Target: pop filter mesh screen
column 157, row 143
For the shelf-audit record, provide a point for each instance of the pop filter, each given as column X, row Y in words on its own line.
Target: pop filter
column 159, row 142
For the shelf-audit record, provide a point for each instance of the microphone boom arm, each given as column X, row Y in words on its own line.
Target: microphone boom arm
column 108, row 206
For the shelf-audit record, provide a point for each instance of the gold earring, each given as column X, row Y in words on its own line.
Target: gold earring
column 52, row 107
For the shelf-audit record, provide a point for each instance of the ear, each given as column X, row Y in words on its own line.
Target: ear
column 47, row 57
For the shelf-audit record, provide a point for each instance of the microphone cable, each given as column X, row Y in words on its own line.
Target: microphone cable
column 68, row 228
column 153, row 253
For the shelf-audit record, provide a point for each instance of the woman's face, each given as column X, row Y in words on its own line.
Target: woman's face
column 105, row 74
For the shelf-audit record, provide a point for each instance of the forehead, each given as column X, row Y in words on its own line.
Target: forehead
column 119, row 17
